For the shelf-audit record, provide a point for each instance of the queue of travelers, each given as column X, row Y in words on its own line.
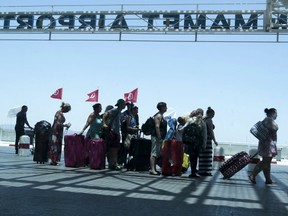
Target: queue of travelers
column 195, row 130
column 124, row 123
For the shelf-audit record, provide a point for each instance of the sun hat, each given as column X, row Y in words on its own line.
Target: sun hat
column 66, row 106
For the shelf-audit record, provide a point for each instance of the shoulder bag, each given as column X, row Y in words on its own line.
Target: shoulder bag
column 260, row 131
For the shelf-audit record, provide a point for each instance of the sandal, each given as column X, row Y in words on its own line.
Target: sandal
column 156, row 174
column 251, row 179
column 270, row 182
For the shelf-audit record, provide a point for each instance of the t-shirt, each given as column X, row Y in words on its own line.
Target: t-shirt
column 115, row 117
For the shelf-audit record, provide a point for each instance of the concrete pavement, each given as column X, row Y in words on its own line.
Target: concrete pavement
column 29, row 189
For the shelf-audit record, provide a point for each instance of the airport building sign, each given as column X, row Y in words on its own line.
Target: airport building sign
column 144, row 21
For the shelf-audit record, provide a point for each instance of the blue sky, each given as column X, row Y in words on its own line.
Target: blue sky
column 238, row 80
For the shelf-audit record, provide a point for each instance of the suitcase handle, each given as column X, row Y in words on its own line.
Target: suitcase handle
column 251, row 157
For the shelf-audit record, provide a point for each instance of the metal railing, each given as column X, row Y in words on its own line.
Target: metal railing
column 233, row 148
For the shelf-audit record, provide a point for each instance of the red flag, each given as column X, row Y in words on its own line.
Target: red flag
column 57, row 94
column 131, row 96
column 93, row 96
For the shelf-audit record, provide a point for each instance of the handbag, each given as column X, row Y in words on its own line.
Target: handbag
column 185, row 163
column 127, row 141
column 260, row 131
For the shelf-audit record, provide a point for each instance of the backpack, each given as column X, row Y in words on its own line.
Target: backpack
column 148, row 127
column 192, row 135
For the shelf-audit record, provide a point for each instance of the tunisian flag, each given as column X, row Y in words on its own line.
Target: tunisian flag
column 93, row 96
column 131, row 96
column 57, row 94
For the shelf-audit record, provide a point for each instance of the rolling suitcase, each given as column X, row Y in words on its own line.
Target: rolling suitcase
column 42, row 132
column 235, row 164
column 74, row 150
column 41, row 149
column 172, row 158
column 139, row 154
column 97, row 153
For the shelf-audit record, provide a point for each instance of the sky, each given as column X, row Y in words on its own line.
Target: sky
column 238, row 80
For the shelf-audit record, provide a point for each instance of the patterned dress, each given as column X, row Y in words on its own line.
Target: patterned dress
column 57, row 137
column 268, row 148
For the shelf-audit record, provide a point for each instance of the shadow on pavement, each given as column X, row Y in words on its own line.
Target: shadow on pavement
column 27, row 188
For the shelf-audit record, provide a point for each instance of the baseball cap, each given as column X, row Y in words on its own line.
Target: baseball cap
column 119, row 102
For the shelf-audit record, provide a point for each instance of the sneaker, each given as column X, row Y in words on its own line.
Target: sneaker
column 118, row 167
column 205, row 174
column 194, row 176
column 115, row 167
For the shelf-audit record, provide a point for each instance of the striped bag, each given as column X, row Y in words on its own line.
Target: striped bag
column 260, row 131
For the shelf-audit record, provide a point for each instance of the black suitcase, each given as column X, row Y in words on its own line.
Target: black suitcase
column 139, row 154
column 42, row 132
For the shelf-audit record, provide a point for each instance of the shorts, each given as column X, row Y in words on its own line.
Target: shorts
column 156, row 147
column 113, row 140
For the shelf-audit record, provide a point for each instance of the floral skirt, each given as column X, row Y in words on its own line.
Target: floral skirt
column 55, row 149
column 267, row 148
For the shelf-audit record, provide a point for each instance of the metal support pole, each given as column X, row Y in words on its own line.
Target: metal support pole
column 267, row 16
column 277, row 37
column 50, row 32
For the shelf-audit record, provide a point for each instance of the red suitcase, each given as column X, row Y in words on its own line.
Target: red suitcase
column 74, row 150
column 235, row 164
column 97, row 153
column 172, row 158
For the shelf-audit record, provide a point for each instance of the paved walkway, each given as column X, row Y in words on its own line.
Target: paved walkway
column 29, row 189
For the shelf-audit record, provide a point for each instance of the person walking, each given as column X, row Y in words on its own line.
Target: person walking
column 57, row 133
column 21, row 120
column 267, row 148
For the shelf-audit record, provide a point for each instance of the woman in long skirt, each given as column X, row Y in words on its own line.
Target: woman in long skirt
column 205, row 157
